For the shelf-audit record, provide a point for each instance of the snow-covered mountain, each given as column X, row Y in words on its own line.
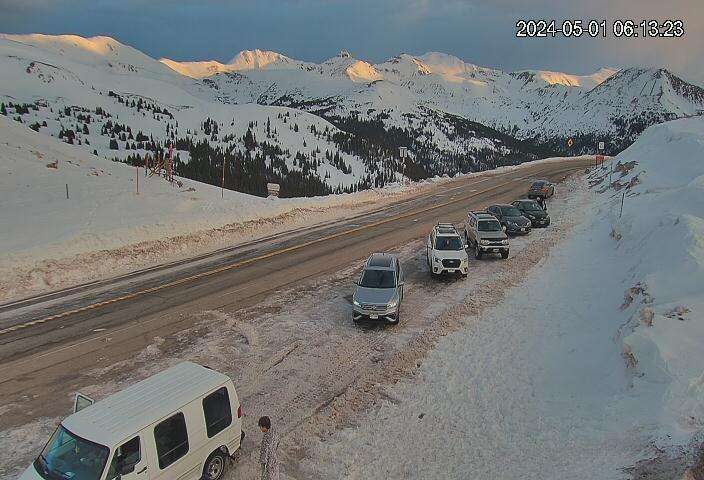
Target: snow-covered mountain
column 322, row 127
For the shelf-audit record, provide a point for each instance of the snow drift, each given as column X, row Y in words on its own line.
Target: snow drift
column 660, row 238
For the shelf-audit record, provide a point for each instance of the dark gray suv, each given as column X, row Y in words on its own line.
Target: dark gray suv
column 511, row 219
column 533, row 212
column 379, row 290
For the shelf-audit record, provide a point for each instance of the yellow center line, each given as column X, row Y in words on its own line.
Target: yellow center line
column 242, row 263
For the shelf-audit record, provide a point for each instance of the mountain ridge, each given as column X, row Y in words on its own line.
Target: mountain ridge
column 319, row 128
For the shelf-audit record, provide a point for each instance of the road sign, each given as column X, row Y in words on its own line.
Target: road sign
column 570, row 142
column 601, row 146
column 273, row 189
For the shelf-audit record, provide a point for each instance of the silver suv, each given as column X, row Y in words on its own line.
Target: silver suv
column 379, row 290
column 446, row 252
column 485, row 234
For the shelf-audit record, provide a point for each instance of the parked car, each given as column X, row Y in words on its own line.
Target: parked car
column 533, row 212
column 446, row 251
column 379, row 291
column 180, row 423
column 510, row 218
column 484, row 233
column 541, row 188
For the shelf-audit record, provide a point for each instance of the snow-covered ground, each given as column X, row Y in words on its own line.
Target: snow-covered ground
column 105, row 228
column 567, row 377
column 296, row 356
column 44, row 232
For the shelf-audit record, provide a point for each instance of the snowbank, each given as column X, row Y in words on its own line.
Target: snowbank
column 661, row 240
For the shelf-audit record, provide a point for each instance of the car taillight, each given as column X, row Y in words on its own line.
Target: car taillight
column 239, row 411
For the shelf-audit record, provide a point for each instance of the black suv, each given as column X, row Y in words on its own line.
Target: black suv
column 533, row 212
column 511, row 219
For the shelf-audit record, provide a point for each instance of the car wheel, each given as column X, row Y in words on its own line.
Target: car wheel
column 397, row 319
column 504, row 254
column 477, row 252
column 214, row 468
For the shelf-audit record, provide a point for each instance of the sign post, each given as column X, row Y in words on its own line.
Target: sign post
column 402, row 153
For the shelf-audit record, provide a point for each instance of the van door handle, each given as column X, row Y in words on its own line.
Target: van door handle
column 142, row 471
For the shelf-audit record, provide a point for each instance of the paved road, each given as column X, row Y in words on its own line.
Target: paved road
column 48, row 338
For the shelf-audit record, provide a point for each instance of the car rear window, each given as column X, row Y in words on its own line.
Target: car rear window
column 448, row 243
column 378, row 279
column 489, row 226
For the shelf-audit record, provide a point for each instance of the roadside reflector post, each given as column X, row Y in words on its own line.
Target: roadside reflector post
column 67, row 191
column 137, row 177
column 623, row 197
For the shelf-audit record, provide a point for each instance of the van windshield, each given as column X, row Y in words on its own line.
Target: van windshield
column 68, row 456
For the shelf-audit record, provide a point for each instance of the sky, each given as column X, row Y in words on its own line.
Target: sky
column 478, row 31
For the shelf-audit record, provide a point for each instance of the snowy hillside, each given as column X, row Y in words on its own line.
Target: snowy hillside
column 321, row 128
column 105, row 227
column 118, row 103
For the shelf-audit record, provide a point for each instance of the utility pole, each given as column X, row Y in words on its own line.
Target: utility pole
column 402, row 151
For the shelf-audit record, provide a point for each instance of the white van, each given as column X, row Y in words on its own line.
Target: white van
column 178, row 424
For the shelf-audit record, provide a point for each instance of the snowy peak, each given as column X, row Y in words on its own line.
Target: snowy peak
column 542, row 78
column 449, row 65
column 244, row 61
column 658, row 86
column 196, row 69
column 95, row 51
column 259, row 60
column 404, row 65
column 345, row 65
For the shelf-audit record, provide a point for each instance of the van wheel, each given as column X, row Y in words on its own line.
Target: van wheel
column 214, row 466
column 477, row 252
column 504, row 254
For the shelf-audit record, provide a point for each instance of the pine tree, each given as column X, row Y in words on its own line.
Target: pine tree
column 85, row 129
column 114, row 145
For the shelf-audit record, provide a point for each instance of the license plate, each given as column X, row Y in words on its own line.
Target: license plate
column 523, row 229
column 496, row 250
column 374, row 316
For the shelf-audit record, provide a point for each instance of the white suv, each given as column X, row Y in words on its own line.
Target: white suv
column 446, row 251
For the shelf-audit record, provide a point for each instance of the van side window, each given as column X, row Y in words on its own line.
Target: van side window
column 125, row 458
column 217, row 411
column 171, row 440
